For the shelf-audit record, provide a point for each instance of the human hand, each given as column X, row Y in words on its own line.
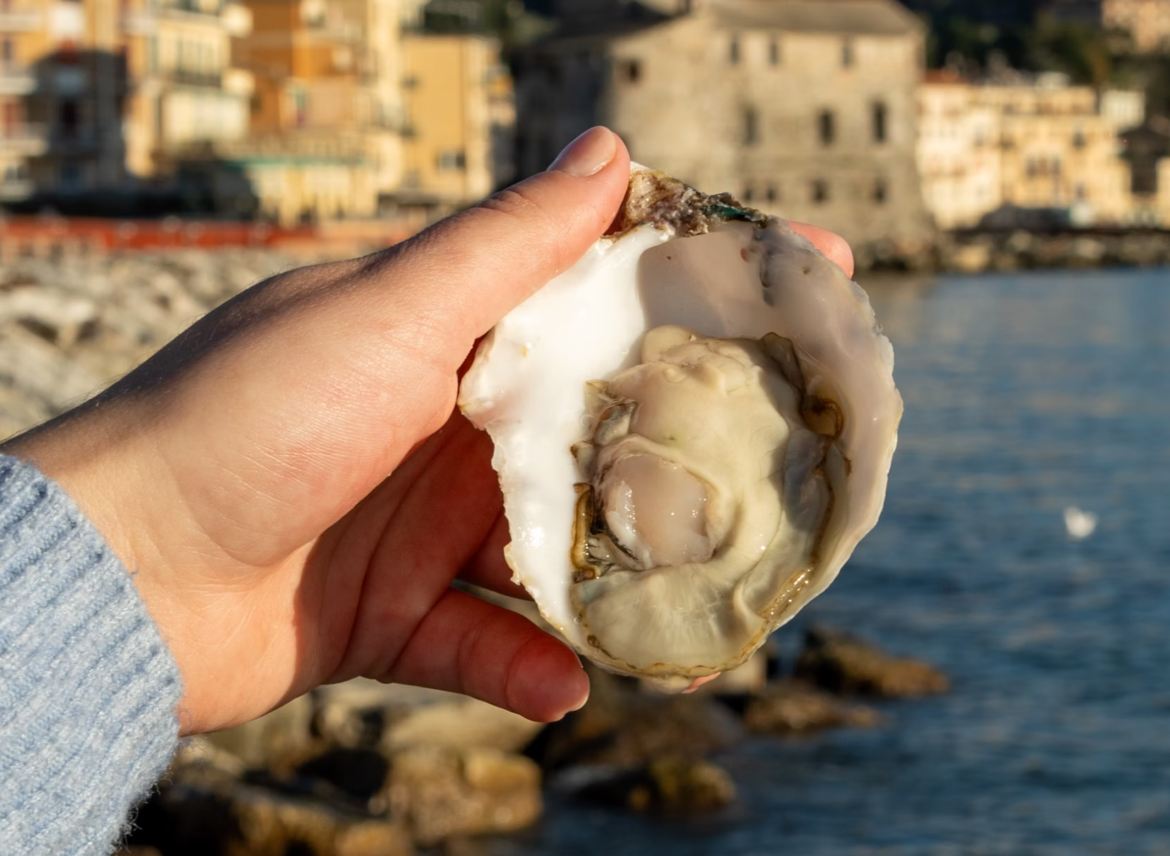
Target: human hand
column 292, row 489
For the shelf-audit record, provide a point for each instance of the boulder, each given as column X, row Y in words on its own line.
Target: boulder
column 368, row 714
column 204, row 807
column 792, row 707
column 625, row 728
column 669, row 784
column 842, row 663
column 439, row 792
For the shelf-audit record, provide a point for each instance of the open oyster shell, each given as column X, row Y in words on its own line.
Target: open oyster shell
column 693, row 427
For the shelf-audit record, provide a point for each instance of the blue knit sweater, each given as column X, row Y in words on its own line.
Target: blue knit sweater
column 87, row 687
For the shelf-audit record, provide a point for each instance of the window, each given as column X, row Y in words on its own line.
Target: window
column 826, row 127
column 733, row 51
column 881, row 191
column 847, row 53
column 820, row 191
column 771, row 194
column 629, row 70
column 1078, row 139
column 7, row 54
column 751, row 126
column 774, row 52
column 879, row 122
column 452, row 160
column 747, row 194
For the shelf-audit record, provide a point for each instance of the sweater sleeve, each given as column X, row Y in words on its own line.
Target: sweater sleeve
column 87, row 687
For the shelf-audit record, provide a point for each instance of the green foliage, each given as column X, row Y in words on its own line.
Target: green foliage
column 506, row 20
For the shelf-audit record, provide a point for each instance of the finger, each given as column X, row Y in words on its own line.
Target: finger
column 829, row 243
column 487, row 567
column 469, row 646
column 465, row 273
column 426, row 522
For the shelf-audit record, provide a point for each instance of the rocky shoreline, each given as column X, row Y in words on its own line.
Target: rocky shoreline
column 1001, row 251
column 360, row 768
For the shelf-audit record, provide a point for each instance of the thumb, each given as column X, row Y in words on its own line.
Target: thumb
column 462, row 275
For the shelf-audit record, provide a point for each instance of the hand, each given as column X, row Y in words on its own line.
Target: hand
column 292, row 489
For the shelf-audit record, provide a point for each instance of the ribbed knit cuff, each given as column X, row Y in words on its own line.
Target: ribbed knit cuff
column 87, row 687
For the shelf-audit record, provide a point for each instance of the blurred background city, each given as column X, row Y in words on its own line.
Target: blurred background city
column 1002, row 171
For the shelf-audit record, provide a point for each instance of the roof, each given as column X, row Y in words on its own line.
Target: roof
column 858, row 17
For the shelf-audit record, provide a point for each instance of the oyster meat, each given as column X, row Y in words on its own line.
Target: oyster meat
column 693, row 427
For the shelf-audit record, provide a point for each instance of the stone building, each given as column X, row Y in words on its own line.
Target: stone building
column 1030, row 144
column 801, row 107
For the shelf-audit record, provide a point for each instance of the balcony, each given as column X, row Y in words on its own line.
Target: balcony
column 24, row 140
column 16, row 80
column 21, row 18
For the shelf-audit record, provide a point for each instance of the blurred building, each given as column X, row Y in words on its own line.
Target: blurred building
column 184, row 89
column 93, row 92
column 1029, row 144
column 25, row 37
column 460, row 115
column 62, row 86
column 803, row 107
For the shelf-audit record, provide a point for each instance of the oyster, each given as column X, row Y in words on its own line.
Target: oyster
column 693, row 427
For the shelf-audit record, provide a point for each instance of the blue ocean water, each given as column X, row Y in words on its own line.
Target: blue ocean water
column 1024, row 394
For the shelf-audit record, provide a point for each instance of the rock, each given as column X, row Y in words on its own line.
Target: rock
column 622, row 727
column 192, row 818
column 440, row 793
column 366, row 714
column 842, row 663
column 789, row 707
column 358, row 773
column 970, row 258
column 672, row 785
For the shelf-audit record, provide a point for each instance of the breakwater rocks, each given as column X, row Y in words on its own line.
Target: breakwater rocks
column 70, row 326
column 359, row 769
column 977, row 252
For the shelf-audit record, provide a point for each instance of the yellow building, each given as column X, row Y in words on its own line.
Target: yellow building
column 460, row 114
column 327, row 115
column 1033, row 144
column 185, row 90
